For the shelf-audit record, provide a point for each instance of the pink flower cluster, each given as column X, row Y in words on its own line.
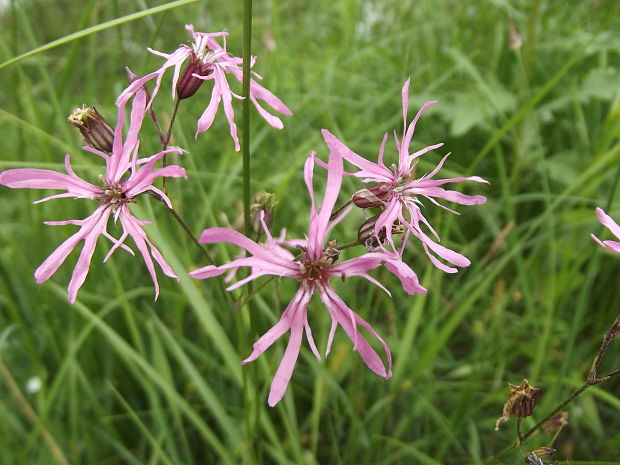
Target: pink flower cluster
column 397, row 193
column 392, row 202
column 127, row 176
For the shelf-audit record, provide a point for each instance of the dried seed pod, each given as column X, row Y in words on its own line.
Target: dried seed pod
column 521, row 402
column 95, row 130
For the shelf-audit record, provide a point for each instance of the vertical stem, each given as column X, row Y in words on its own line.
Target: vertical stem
column 252, row 405
column 247, row 56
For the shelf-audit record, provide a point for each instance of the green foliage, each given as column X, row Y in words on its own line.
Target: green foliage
column 126, row 380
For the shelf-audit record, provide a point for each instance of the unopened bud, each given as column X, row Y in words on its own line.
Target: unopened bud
column 96, row 131
column 189, row 84
column 331, row 252
column 131, row 76
column 264, row 203
column 366, row 233
column 521, row 402
column 376, row 196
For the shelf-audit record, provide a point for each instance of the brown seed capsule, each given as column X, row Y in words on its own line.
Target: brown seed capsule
column 376, row 196
column 189, row 84
column 521, row 402
column 96, row 131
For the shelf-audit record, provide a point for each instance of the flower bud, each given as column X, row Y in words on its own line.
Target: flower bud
column 366, row 233
column 264, row 203
column 521, row 402
column 376, row 196
column 331, row 252
column 189, row 84
column 96, row 131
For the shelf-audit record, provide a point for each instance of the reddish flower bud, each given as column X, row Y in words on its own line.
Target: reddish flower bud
column 96, row 131
column 366, row 233
column 189, row 84
column 376, row 196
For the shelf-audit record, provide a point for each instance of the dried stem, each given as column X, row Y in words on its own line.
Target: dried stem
column 592, row 380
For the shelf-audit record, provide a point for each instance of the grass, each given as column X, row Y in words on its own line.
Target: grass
column 126, row 380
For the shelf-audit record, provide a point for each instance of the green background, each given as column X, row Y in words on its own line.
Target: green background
column 126, row 380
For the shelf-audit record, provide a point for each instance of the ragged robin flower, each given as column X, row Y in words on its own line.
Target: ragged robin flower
column 609, row 223
column 114, row 193
column 396, row 189
column 316, row 264
column 205, row 60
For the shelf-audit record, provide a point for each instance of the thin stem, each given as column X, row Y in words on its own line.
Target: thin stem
column 189, row 233
column 573, row 395
column 203, row 250
column 166, row 141
column 252, row 417
column 337, row 211
column 255, row 291
column 519, row 435
column 349, row 244
column 593, row 378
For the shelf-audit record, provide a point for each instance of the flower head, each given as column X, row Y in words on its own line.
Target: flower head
column 397, row 190
column 314, row 267
column 114, row 193
column 208, row 60
column 609, row 223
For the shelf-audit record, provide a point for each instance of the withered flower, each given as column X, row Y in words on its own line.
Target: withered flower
column 521, row 402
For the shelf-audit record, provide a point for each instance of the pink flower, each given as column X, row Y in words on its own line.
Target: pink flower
column 114, row 195
column 313, row 268
column 606, row 221
column 208, row 60
column 399, row 192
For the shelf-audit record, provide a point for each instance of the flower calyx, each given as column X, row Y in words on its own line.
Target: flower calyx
column 376, row 196
column 264, row 204
column 366, row 233
column 189, row 84
column 95, row 130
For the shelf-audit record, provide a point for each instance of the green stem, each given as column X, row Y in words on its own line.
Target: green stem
column 166, row 141
column 252, row 416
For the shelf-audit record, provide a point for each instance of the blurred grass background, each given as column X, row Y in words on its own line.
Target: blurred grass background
column 125, row 380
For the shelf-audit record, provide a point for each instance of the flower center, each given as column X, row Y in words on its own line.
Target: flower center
column 314, row 270
column 113, row 195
